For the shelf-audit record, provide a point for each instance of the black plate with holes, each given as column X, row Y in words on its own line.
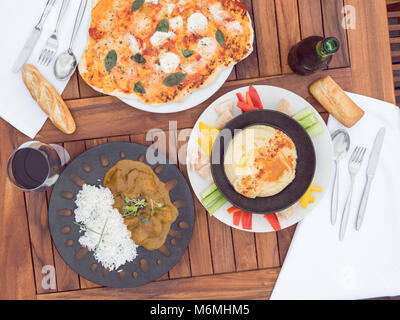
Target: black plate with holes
column 65, row 233
column 305, row 167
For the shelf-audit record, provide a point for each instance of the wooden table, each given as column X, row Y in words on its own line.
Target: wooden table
column 220, row 262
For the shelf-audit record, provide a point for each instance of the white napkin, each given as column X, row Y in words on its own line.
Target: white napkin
column 17, row 19
column 366, row 263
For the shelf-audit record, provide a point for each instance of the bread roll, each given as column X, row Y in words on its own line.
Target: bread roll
column 48, row 99
column 332, row 97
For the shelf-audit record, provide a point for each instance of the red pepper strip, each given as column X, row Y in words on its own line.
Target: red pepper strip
column 248, row 99
column 233, row 210
column 273, row 220
column 247, row 220
column 240, row 97
column 255, row 97
column 237, row 215
column 245, row 107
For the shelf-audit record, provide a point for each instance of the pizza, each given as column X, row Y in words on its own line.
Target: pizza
column 159, row 51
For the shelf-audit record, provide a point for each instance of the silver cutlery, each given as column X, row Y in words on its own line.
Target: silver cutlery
column 33, row 38
column 66, row 62
column 341, row 144
column 354, row 166
column 51, row 46
column 372, row 164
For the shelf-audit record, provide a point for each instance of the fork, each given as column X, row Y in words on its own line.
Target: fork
column 354, row 166
column 51, row 46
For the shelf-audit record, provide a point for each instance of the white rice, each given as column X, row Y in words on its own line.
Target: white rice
column 95, row 212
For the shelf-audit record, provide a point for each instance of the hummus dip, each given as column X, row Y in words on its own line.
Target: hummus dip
column 260, row 161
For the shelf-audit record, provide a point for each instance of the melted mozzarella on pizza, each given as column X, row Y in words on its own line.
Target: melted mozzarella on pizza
column 170, row 7
column 158, row 38
column 234, row 26
column 133, row 44
column 217, row 12
column 169, row 62
column 206, row 47
column 197, row 23
column 176, row 23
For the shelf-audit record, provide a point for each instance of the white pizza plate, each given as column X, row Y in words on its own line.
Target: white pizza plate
column 192, row 100
column 270, row 97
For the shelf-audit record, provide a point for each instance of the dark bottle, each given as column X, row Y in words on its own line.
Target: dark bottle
column 312, row 54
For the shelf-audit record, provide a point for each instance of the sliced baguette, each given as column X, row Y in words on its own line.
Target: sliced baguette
column 332, row 97
column 48, row 99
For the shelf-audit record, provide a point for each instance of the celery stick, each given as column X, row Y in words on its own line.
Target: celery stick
column 211, row 198
column 220, row 202
column 303, row 113
column 208, row 191
column 308, row 121
column 315, row 130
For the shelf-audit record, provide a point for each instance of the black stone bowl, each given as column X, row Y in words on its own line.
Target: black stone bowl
column 305, row 167
column 90, row 167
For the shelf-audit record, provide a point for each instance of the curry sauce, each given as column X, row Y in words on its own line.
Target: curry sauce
column 149, row 226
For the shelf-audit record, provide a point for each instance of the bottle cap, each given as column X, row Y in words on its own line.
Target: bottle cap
column 331, row 45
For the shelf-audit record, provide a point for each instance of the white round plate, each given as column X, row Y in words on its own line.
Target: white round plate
column 192, row 100
column 270, row 97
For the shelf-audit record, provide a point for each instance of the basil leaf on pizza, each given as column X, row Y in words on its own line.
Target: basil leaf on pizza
column 137, row 4
column 219, row 36
column 110, row 60
column 174, row 79
column 187, row 53
column 139, row 87
column 163, row 26
column 138, row 58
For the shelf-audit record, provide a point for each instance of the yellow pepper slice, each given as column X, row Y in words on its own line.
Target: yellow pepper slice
column 203, row 126
column 316, row 189
column 306, row 199
column 205, row 144
column 210, row 135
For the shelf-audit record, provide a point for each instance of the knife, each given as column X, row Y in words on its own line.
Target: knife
column 33, row 38
column 372, row 164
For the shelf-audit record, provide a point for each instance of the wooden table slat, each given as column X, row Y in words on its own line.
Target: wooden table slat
column 266, row 34
column 284, row 239
column 232, row 76
column 16, row 277
column 288, row 28
column 222, row 253
column 248, row 68
column 310, row 18
column 267, row 250
column 71, row 91
column 42, row 251
column 85, row 90
column 370, row 55
column 239, row 285
column 245, row 250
